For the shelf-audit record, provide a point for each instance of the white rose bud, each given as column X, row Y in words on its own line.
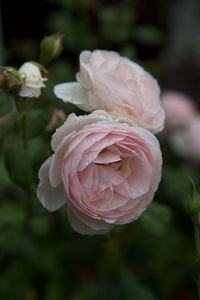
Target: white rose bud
column 32, row 80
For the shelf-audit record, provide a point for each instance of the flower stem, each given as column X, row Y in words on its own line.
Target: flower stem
column 24, row 134
column 197, row 247
column 16, row 102
column 196, row 237
column 21, row 106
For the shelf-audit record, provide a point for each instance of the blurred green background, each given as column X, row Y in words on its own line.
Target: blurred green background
column 41, row 258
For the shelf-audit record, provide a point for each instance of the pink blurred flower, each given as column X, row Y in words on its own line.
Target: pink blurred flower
column 193, row 139
column 117, row 85
column 179, row 109
column 106, row 171
column 185, row 141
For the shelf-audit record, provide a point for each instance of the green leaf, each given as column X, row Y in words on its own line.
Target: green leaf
column 157, row 219
column 5, row 103
column 132, row 289
column 11, row 215
column 19, row 165
column 17, row 242
column 37, row 119
column 4, row 176
column 176, row 181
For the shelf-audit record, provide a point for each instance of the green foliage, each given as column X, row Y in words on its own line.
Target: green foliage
column 133, row 289
column 157, row 219
column 193, row 204
column 116, row 24
column 19, row 165
column 148, row 35
column 5, row 103
column 37, row 120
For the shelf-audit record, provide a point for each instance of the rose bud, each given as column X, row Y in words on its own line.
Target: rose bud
column 32, row 80
column 10, row 79
column 50, row 48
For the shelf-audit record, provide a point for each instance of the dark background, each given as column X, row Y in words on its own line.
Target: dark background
column 152, row 258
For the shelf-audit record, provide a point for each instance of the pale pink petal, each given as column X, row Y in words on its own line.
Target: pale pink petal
column 96, row 148
column 85, row 57
column 56, row 164
column 74, row 123
column 73, row 92
column 87, row 76
column 51, row 198
column 93, row 222
column 107, row 157
column 81, row 227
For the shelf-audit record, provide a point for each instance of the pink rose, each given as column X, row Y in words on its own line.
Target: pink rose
column 107, row 172
column 179, row 109
column 117, row 85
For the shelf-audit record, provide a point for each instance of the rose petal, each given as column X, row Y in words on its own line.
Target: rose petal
column 74, row 123
column 51, row 198
column 56, row 164
column 107, row 157
column 81, row 227
column 92, row 222
column 74, row 93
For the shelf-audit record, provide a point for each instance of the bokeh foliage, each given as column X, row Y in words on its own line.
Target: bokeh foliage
column 40, row 256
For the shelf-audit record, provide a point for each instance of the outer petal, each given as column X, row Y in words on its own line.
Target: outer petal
column 29, row 91
column 74, row 93
column 87, row 76
column 56, row 164
column 96, row 223
column 51, row 198
column 74, row 123
column 80, row 227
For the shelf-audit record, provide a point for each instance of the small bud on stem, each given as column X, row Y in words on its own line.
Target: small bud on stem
column 50, row 48
column 10, row 79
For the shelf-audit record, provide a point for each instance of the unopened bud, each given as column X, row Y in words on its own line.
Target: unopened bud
column 42, row 69
column 10, row 79
column 50, row 48
column 193, row 204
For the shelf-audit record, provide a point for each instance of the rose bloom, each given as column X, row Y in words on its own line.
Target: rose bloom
column 107, row 172
column 179, row 109
column 117, row 85
column 32, row 80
